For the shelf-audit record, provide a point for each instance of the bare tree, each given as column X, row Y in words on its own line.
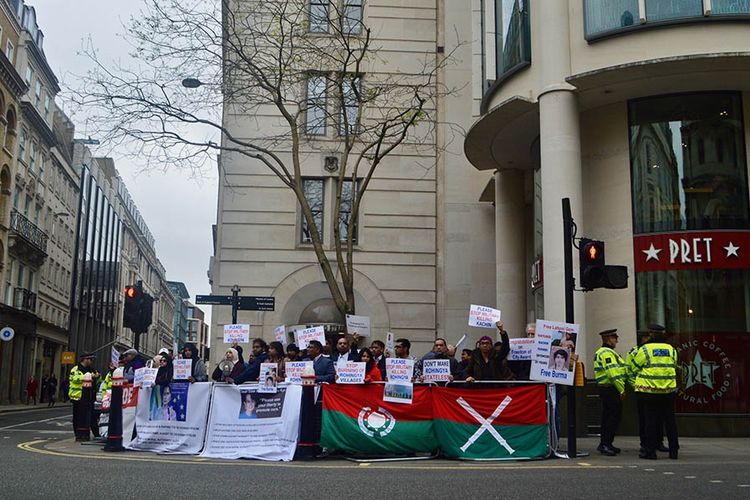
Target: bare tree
column 317, row 66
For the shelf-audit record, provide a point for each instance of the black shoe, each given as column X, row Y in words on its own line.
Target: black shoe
column 662, row 448
column 615, row 449
column 647, row 456
column 606, row 450
column 673, row 455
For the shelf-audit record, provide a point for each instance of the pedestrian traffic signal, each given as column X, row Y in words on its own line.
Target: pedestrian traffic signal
column 131, row 310
column 594, row 273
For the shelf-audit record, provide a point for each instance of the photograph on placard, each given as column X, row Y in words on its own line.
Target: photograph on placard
column 169, row 402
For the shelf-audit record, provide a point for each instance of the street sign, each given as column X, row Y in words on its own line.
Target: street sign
column 257, row 304
column 68, row 358
column 214, row 300
column 8, row 333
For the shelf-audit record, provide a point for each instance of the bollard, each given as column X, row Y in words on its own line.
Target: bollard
column 579, row 379
column 114, row 429
column 83, row 429
column 307, row 446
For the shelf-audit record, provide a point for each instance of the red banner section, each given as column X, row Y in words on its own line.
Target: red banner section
column 715, row 372
column 691, row 250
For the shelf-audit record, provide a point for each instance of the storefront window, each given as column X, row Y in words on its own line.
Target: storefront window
column 691, row 221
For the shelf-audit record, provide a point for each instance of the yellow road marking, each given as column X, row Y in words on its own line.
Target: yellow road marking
column 30, row 446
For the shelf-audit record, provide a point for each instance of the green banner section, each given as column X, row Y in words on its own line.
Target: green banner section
column 513, row 442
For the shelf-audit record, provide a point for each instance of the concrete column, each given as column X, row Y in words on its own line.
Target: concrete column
column 560, row 145
column 510, row 261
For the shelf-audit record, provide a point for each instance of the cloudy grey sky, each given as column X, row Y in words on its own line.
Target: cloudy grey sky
column 178, row 209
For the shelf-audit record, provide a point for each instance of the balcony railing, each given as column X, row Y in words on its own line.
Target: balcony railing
column 24, row 299
column 28, row 231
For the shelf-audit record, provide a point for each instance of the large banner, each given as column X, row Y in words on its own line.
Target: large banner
column 247, row 424
column 507, row 423
column 172, row 418
column 357, row 420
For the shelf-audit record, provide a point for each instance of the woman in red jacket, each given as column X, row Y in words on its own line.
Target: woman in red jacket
column 372, row 372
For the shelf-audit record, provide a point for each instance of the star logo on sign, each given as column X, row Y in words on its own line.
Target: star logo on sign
column 732, row 250
column 652, row 253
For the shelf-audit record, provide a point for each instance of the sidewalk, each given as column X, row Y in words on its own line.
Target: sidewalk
column 38, row 406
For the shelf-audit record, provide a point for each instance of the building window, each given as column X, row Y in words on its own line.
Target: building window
column 513, row 35
column 607, row 15
column 32, row 156
column 37, row 93
column 730, row 7
column 351, row 87
column 659, row 10
column 29, row 75
column 315, row 114
column 314, row 193
column 46, row 105
column 319, row 16
column 22, row 146
column 9, row 50
column 345, row 211
column 351, row 20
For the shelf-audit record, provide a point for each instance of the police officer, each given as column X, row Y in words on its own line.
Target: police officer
column 611, row 375
column 642, row 336
column 75, row 393
column 655, row 371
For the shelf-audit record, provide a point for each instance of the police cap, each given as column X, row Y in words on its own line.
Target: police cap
column 609, row 333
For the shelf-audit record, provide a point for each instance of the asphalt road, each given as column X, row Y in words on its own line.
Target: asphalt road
column 39, row 460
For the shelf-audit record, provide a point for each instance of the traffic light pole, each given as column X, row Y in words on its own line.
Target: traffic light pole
column 569, row 315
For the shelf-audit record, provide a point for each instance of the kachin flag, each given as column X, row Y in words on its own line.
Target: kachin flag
column 357, row 420
column 507, row 423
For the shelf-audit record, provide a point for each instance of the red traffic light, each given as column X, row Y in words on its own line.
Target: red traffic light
column 593, row 252
column 130, row 291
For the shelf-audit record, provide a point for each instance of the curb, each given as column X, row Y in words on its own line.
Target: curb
column 4, row 410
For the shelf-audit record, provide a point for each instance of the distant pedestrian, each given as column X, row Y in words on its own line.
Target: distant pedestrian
column 51, row 390
column 43, row 392
column 32, row 386
column 64, row 385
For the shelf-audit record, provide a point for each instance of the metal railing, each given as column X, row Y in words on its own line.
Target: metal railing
column 24, row 299
column 28, row 230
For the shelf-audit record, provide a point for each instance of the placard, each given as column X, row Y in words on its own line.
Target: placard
column 351, row 372
column 182, row 369
column 402, row 392
column 358, row 325
column 483, row 316
column 436, row 370
column 267, row 379
column 144, row 377
column 315, row 333
column 279, row 334
column 521, row 349
column 554, row 344
column 236, row 334
column 399, row 370
column 390, row 343
column 295, row 369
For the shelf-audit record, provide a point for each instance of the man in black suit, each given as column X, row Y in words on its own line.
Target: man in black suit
column 324, row 371
column 344, row 351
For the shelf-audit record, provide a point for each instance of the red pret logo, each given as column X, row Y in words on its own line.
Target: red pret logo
column 692, row 250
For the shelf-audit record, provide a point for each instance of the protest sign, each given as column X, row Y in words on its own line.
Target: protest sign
column 182, row 369
column 554, row 344
column 279, row 334
column 247, row 424
column 308, row 334
column 402, row 392
column 399, row 370
column 172, row 418
column 114, row 356
column 295, row 369
column 351, row 372
column 358, row 325
column 460, row 342
column 436, row 370
column 521, row 349
column 390, row 343
column 483, row 316
column 145, row 377
column 267, row 379
column 236, row 334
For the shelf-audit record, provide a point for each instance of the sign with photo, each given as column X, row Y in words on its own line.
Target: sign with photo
column 401, row 392
column 267, row 379
column 554, row 344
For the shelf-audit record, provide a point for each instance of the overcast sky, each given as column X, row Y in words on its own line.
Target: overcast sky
column 179, row 210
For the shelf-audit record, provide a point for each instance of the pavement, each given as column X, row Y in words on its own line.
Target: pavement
column 24, row 407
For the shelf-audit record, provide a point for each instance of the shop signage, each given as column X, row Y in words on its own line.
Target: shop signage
column 692, row 250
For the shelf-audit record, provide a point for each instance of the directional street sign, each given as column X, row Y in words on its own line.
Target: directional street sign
column 214, row 300
column 257, row 303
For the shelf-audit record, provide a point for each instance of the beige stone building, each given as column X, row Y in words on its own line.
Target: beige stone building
column 638, row 112
column 424, row 244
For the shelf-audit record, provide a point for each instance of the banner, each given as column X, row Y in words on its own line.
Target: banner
column 554, row 343
column 182, row 369
column 295, row 369
column 521, row 349
column 483, row 316
column 399, row 370
column 236, row 334
column 507, row 423
column 350, row 372
column 436, row 370
column 172, row 418
column 357, row 420
column 308, row 334
column 129, row 405
column 358, row 325
column 247, row 424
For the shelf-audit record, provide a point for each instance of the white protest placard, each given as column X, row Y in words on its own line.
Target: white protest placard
column 145, row 377
column 315, row 333
column 390, row 343
column 138, row 377
column 399, row 370
column 521, row 349
column 236, row 334
column 279, row 334
column 267, row 379
column 483, row 316
column 114, row 356
column 460, row 341
column 295, row 369
column 554, row 344
column 182, row 369
column 436, row 370
column 358, row 325
column 402, row 392
column 351, row 372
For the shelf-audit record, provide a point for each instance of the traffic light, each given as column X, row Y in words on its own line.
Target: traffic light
column 594, row 273
column 131, row 311
column 146, row 312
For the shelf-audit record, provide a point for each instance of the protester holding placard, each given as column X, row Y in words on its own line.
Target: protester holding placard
column 378, row 353
column 487, row 363
column 372, row 372
column 230, row 356
column 439, row 351
column 166, row 369
column 323, row 366
column 198, row 368
column 276, row 355
column 344, row 350
column 292, row 353
column 252, row 367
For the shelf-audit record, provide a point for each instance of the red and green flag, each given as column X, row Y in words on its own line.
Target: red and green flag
column 508, row 423
column 357, row 420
